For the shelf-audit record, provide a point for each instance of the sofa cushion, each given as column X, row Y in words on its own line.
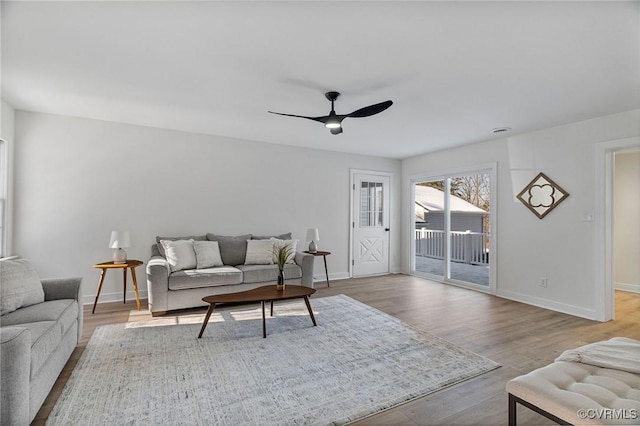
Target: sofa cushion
column 64, row 311
column 45, row 338
column 207, row 254
column 259, row 252
column 194, row 238
column 180, row 254
column 268, row 273
column 211, row 277
column 19, row 285
column 286, row 236
column 233, row 250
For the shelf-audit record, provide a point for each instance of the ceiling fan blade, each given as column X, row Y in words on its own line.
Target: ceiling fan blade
column 370, row 110
column 320, row 119
column 333, row 121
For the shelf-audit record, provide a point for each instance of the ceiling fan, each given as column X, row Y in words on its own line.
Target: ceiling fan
column 333, row 121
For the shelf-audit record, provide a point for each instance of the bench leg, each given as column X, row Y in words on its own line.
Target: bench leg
column 512, row 410
column 513, row 400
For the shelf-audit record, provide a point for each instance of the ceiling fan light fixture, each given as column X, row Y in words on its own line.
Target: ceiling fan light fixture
column 333, row 121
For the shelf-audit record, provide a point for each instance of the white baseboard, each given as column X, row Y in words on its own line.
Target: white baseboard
column 632, row 288
column 322, row 278
column 398, row 270
column 113, row 297
column 548, row 304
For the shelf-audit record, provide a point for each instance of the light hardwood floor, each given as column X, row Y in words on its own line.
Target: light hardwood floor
column 520, row 337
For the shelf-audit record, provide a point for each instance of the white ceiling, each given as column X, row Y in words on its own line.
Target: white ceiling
column 454, row 70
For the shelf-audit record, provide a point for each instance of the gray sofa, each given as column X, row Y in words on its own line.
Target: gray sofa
column 170, row 288
column 40, row 325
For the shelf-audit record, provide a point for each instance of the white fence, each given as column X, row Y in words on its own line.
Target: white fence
column 466, row 247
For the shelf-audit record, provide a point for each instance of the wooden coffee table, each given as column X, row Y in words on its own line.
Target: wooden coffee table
column 260, row 294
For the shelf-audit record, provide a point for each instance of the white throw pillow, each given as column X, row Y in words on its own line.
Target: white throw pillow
column 207, row 254
column 180, row 254
column 291, row 244
column 259, row 252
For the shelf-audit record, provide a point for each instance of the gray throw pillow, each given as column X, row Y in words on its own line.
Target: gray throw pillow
column 233, row 250
column 259, row 252
column 20, row 285
column 286, row 236
column 207, row 254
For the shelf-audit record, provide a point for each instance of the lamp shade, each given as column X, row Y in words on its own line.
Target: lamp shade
column 313, row 234
column 119, row 239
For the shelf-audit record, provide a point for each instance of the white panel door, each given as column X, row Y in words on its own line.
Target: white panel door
column 370, row 225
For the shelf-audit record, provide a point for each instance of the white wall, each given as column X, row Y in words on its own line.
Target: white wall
column 626, row 211
column 561, row 246
column 77, row 180
column 7, row 133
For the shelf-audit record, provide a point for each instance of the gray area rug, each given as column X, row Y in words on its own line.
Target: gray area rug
column 356, row 362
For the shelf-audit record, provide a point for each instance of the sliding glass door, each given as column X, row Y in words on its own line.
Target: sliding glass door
column 452, row 228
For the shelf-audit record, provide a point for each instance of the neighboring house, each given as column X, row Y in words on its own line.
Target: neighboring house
column 429, row 207
column 469, row 243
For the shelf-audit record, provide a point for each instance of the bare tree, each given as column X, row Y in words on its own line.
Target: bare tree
column 473, row 189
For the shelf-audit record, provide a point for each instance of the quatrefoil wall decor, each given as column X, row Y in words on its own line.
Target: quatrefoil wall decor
column 542, row 195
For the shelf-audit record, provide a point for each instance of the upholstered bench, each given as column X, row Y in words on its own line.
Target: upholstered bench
column 579, row 393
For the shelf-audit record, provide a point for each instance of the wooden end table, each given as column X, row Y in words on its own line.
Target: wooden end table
column 324, row 255
column 260, row 294
column 129, row 264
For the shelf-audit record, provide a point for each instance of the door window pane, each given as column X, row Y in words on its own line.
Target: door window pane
column 371, row 202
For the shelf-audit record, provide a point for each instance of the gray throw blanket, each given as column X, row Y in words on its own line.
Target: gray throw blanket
column 618, row 353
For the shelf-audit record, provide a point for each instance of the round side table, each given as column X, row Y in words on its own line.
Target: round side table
column 129, row 264
column 324, row 255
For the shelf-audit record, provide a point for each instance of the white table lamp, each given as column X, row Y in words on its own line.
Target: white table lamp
column 313, row 235
column 119, row 239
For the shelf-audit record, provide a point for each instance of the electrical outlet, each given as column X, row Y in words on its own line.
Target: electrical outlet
column 543, row 282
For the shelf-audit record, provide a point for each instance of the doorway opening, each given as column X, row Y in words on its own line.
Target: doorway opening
column 607, row 206
column 626, row 227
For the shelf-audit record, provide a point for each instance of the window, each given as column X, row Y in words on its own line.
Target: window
column 371, row 213
column 4, row 179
